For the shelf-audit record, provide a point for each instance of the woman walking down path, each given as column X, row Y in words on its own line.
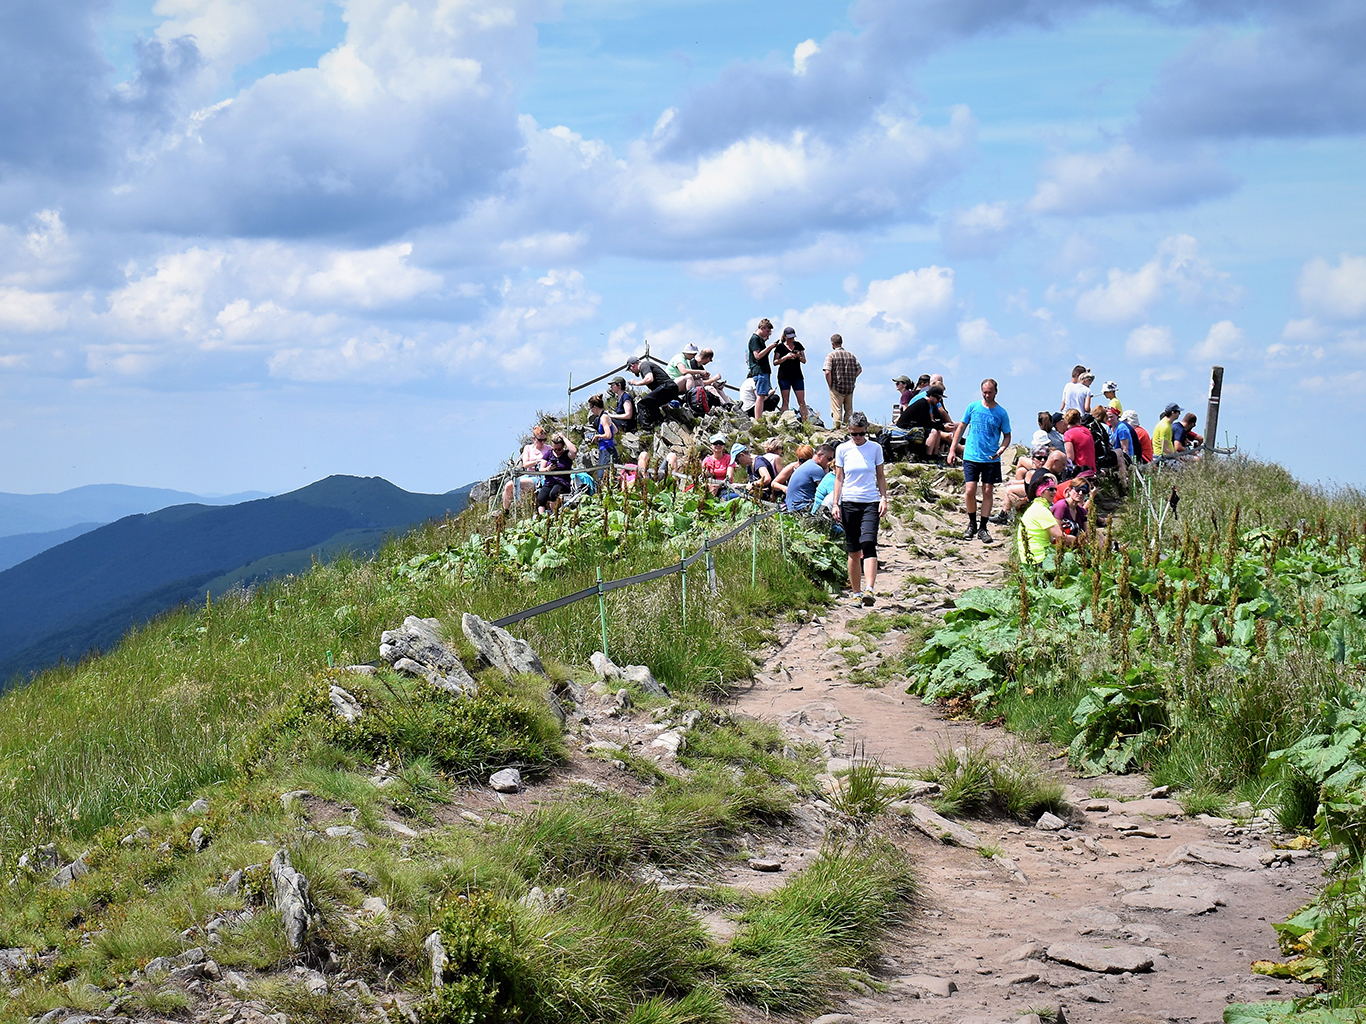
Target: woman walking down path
column 860, row 504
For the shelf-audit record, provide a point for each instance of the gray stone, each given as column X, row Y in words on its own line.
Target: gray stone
column 398, row 828
column 1103, row 959
column 292, row 900
column 1180, row 894
column 78, row 868
column 361, row 670
column 670, row 742
column 1023, row 952
column 315, row 982
column 42, row 858
column 158, row 965
column 231, row 887
column 373, row 905
column 287, row 800
column 535, row 899
column 506, row 780
column 1093, row 993
column 1013, row 869
column 194, row 955
column 358, row 878
column 346, row 707
column 139, row 838
column 436, row 957
column 644, row 678
column 930, row 985
column 766, row 864
column 1213, row 855
column 350, row 832
column 836, row 1018
column 200, row 840
column 419, row 641
column 1050, row 822
column 410, row 668
column 500, row 649
column 200, row 806
column 940, row 828
column 1097, row 806
column 13, row 962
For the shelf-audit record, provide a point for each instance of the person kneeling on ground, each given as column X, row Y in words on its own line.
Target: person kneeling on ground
column 560, row 458
column 860, row 503
column 1039, row 529
column 1069, row 509
column 759, row 468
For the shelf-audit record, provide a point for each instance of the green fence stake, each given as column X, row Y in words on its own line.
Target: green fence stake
column 711, row 565
column 602, row 612
column 754, row 554
column 329, row 659
column 685, row 593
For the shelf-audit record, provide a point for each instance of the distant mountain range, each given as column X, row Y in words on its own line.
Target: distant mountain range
column 84, row 594
column 95, row 503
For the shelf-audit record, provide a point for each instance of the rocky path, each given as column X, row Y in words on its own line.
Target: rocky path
column 1130, row 913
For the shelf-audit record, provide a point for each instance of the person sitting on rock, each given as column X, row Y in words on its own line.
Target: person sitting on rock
column 921, row 421
column 1039, row 529
column 806, row 479
column 532, row 454
column 716, row 467
column 1069, row 508
column 559, row 459
column 625, row 415
column 803, row 454
column 773, row 451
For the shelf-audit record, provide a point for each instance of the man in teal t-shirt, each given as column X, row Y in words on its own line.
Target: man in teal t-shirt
column 988, row 427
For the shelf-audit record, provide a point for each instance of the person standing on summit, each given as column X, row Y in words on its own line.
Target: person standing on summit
column 988, row 427
column 842, row 370
column 759, row 367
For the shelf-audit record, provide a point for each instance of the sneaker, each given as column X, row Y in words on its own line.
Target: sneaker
column 1000, row 518
column 868, row 599
column 856, row 599
column 985, row 537
column 970, row 534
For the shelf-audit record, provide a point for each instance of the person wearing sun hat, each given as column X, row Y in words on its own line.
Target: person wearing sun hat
column 1039, row 527
column 1112, row 399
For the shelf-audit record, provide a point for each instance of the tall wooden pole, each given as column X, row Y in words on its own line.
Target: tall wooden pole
column 1216, row 388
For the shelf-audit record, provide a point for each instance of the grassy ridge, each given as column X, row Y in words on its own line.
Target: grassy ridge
column 171, row 709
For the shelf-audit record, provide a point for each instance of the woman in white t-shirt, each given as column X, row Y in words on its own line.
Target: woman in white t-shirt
column 860, row 502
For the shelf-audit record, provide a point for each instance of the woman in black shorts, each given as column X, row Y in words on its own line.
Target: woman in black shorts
column 860, row 503
column 788, row 358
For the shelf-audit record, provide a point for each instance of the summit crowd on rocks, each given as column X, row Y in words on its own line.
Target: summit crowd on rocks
column 681, row 421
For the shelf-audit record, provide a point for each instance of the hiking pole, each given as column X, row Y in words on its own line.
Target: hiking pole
column 602, row 612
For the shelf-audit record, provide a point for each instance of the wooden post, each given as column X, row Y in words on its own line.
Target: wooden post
column 1216, row 388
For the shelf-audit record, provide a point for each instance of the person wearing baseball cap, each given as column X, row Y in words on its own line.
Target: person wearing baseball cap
column 1164, row 443
column 624, row 416
column 1039, row 527
column 1111, row 398
column 905, row 388
column 716, row 466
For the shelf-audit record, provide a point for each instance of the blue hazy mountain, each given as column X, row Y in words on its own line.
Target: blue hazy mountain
column 84, row 594
column 95, row 503
column 22, row 546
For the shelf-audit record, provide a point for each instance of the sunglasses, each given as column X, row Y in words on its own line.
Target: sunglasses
column 858, row 433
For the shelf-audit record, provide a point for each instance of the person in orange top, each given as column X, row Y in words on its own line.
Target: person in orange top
column 1145, row 439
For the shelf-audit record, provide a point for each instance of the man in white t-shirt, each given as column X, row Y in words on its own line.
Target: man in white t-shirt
column 1077, row 394
column 860, row 502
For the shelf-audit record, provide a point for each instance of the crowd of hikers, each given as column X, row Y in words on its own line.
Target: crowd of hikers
column 843, row 483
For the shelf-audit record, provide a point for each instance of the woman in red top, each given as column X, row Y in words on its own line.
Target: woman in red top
column 1081, row 446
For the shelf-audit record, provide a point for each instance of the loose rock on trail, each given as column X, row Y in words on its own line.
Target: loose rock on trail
column 1130, row 912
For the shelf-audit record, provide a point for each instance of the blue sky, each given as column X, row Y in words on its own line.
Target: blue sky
column 245, row 244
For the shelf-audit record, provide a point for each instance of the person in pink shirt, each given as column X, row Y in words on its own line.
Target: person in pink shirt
column 532, row 455
column 717, row 465
column 1081, row 446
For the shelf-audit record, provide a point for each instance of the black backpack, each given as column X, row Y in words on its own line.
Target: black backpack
column 1105, row 451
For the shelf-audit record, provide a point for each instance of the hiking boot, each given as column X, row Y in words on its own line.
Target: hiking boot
column 985, row 537
column 1000, row 518
column 868, row 599
column 969, row 534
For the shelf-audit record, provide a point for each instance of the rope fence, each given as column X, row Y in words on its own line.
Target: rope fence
column 604, row 587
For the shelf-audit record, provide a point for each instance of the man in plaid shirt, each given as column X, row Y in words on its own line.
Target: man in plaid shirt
column 841, row 372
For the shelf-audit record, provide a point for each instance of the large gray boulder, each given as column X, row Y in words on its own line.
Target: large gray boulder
column 436, row 957
column 416, row 648
column 500, row 649
column 639, row 674
column 292, row 900
column 344, row 705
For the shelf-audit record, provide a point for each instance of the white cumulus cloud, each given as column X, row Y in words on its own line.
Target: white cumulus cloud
column 1336, row 293
column 1148, row 342
column 1176, row 268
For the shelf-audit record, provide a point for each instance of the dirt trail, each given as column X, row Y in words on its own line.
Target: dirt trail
column 1122, row 880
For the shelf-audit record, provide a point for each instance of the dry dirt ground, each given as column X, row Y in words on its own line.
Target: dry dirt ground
column 1130, row 877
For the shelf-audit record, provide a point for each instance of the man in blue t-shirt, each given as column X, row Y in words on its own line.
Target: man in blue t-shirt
column 988, row 427
column 801, row 486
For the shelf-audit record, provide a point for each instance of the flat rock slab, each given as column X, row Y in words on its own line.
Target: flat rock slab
column 1152, row 807
column 1102, row 959
column 930, row 985
column 1177, row 894
column 1213, row 855
column 939, row 828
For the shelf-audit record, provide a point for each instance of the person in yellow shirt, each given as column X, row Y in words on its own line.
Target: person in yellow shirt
column 1163, row 441
column 1112, row 399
